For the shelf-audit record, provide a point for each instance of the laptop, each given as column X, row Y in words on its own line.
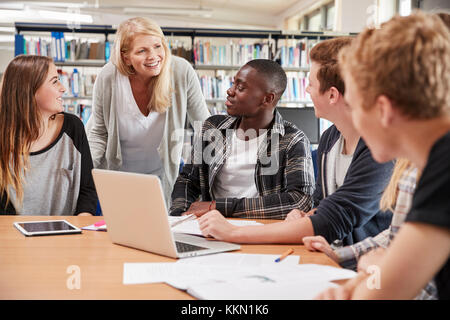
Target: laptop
column 136, row 216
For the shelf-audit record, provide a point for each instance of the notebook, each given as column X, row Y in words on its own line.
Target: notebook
column 135, row 212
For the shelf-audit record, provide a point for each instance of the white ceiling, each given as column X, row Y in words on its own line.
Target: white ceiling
column 177, row 13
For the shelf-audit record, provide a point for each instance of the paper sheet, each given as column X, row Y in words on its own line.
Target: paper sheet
column 192, row 227
column 258, row 289
column 240, row 259
column 189, row 227
column 250, row 276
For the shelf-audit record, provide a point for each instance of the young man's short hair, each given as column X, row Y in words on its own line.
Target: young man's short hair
column 445, row 17
column 407, row 60
column 325, row 54
column 272, row 72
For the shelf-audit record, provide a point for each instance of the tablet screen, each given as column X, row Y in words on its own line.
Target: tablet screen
column 46, row 226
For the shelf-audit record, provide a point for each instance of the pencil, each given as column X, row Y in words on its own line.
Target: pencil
column 284, row 255
column 186, row 218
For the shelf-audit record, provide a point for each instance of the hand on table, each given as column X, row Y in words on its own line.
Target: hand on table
column 318, row 243
column 199, row 208
column 214, row 224
column 298, row 214
column 85, row 214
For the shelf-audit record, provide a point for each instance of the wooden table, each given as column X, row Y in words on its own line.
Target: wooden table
column 40, row 267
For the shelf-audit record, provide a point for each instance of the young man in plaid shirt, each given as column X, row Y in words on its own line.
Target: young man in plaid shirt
column 249, row 163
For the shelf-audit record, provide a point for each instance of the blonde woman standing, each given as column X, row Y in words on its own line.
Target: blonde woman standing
column 141, row 99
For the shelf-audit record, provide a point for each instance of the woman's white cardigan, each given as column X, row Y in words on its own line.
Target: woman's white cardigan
column 102, row 127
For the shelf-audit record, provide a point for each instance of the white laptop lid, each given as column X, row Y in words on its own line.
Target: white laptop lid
column 134, row 212
column 136, row 216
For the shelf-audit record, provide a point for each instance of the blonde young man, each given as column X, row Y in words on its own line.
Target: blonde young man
column 398, row 86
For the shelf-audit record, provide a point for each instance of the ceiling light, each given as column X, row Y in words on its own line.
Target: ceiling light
column 69, row 17
column 7, row 29
column 5, row 38
column 14, row 14
column 169, row 11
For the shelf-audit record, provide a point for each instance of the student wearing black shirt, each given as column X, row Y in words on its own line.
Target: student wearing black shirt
column 397, row 82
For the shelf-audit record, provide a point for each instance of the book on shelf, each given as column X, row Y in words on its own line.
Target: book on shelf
column 215, row 87
column 83, row 111
column 61, row 50
column 180, row 49
column 231, row 54
column 77, row 83
column 296, row 87
column 294, row 53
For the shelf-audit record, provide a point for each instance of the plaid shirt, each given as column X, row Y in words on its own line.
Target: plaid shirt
column 348, row 256
column 284, row 175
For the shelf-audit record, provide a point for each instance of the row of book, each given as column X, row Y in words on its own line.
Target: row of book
column 178, row 48
column 60, row 50
column 216, row 87
column 83, row 111
column 232, row 54
column 296, row 88
column 77, row 83
column 295, row 53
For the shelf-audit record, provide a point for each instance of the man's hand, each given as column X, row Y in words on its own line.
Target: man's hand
column 85, row 214
column 214, row 224
column 298, row 214
column 199, row 208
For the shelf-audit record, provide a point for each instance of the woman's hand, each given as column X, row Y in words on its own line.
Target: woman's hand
column 213, row 224
column 318, row 243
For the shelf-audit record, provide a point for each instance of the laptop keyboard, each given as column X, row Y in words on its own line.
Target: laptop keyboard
column 186, row 247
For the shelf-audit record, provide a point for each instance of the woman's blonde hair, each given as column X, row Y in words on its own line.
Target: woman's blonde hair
column 406, row 60
column 20, row 119
column 160, row 85
column 389, row 197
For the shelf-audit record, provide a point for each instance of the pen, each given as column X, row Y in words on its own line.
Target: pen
column 188, row 217
column 284, row 255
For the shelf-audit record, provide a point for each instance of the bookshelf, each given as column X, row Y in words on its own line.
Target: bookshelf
column 223, row 52
column 95, row 63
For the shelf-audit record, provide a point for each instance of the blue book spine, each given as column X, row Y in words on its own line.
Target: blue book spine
column 296, row 93
column 62, row 47
column 18, row 44
column 107, row 51
column 291, row 56
column 283, row 56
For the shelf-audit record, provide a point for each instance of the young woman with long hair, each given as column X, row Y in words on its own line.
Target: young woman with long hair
column 45, row 161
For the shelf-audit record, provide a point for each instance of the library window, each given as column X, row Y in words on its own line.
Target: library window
column 315, row 21
column 330, row 12
column 404, row 7
column 320, row 19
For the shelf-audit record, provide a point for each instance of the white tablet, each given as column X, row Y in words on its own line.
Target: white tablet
column 44, row 228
